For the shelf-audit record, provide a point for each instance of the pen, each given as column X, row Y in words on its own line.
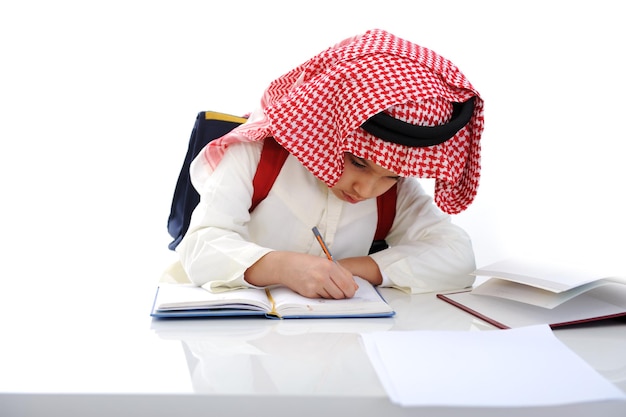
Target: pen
column 320, row 240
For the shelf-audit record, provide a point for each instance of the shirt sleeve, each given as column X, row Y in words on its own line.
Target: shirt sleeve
column 427, row 252
column 216, row 250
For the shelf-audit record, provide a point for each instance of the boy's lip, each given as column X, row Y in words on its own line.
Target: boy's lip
column 351, row 199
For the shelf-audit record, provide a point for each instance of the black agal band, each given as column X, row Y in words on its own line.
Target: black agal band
column 390, row 129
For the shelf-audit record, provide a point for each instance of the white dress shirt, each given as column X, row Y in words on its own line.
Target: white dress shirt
column 427, row 252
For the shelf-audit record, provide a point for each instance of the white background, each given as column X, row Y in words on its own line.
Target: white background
column 97, row 101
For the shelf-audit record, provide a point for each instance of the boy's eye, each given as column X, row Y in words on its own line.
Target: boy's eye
column 357, row 163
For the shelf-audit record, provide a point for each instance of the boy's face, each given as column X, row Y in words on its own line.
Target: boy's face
column 362, row 179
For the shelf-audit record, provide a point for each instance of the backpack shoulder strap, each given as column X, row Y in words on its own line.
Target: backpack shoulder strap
column 386, row 204
column 273, row 157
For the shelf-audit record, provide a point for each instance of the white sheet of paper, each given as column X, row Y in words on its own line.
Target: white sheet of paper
column 528, row 366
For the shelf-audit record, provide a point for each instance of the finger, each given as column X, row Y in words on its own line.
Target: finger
column 335, row 291
column 324, row 294
column 348, row 280
column 347, row 286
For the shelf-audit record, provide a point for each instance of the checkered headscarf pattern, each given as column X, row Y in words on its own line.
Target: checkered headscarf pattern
column 315, row 111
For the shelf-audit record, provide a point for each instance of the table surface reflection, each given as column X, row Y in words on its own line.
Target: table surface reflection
column 66, row 357
column 325, row 357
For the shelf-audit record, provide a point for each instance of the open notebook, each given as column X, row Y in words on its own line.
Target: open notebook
column 520, row 293
column 188, row 300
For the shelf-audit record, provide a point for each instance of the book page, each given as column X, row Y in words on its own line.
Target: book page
column 189, row 296
column 366, row 301
column 515, row 291
column 550, row 277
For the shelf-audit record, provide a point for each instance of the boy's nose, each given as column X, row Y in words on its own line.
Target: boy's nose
column 365, row 189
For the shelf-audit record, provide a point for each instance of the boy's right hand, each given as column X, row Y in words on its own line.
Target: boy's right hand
column 308, row 275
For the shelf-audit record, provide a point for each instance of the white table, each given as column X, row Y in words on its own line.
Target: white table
column 81, row 357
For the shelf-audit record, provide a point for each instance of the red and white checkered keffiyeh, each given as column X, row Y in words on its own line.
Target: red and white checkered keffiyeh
column 315, row 111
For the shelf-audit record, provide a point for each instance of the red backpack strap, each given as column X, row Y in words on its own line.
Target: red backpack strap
column 386, row 204
column 273, row 157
